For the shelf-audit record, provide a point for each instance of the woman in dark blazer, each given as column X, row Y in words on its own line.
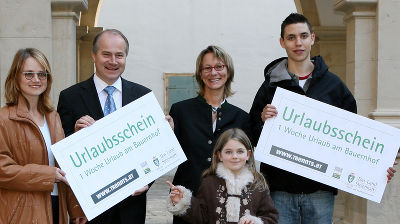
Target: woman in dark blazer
column 201, row 120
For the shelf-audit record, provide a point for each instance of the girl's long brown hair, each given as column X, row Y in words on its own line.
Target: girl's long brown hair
column 238, row 135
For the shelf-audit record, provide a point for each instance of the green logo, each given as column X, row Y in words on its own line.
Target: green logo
column 351, row 177
column 145, row 167
column 156, row 161
column 337, row 173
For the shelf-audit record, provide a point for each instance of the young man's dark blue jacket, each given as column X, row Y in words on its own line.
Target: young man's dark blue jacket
column 323, row 86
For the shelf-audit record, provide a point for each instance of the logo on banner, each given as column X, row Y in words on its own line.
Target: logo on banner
column 351, row 177
column 145, row 167
column 337, row 173
column 156, row 161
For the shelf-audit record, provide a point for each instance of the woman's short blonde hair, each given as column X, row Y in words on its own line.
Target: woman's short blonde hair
column 12, row 88
column 225, row 58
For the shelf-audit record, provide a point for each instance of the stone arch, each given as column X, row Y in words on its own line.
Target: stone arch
column 86, row 31
column 89, row 17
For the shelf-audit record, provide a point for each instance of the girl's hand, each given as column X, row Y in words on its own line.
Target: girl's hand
column 269, row 111
column 60, row 176
column 391, row 172
column 176, row 194
column 246, row 221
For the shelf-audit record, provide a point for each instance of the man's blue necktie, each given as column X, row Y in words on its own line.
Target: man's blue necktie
column 109, row 106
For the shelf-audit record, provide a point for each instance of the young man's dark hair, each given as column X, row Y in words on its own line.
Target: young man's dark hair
column 292, row 19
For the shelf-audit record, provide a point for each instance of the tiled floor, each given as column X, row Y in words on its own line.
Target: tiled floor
column 156, row 202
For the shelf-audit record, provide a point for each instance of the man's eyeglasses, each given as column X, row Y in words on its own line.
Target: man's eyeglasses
column 217, row 68
column 40, row 75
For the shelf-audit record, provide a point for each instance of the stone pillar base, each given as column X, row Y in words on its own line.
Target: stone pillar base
column 388, row 117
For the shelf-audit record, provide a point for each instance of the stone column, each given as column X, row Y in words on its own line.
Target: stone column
column 388, row 80
column 388, row 101
column 23, row 24
column 65, row 15
column 372, row 70
column 331, row 45
column 360, row 51
column 361, row 44
column 85, row 36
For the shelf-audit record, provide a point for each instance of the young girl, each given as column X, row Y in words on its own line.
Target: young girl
column 232, row 191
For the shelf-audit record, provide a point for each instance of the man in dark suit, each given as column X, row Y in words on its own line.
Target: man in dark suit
column 82, row 104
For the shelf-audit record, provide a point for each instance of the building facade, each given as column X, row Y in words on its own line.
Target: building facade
column 357, row 38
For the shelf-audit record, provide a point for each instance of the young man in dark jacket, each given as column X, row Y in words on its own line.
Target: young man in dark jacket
column 298, row 199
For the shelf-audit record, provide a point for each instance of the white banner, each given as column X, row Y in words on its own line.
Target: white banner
column 120, row 153
column 329, row 145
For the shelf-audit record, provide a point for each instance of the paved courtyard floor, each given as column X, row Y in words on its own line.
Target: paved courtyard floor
column 156, row 202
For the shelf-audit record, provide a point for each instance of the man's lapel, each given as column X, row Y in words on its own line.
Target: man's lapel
column 128, row 93
column 91, row 99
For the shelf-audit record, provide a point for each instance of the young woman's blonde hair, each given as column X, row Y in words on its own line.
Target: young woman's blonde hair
column 225, row 58
column 12, row 88
column 238, row 135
